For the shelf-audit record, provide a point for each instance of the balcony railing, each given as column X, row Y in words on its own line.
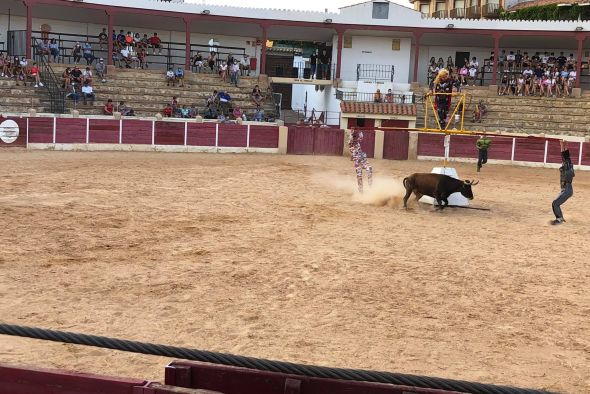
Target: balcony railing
column 474, row 12
column 304, row 70
column 490, row 10
column 382, row 97
column 440, row 14
column 457, row 13
column 375, row 72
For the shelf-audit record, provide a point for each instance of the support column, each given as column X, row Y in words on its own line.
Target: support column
column 417, row 37
column 497, row 38
column 339, row 53
column 187, row 50
column 580, row 38
column 263, row 51
column 29, row 36
column 110, row 16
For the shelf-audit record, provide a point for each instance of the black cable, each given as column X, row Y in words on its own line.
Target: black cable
column 262, row 364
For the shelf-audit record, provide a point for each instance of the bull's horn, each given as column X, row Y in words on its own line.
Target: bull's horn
column 467, row 182
column 473, row 183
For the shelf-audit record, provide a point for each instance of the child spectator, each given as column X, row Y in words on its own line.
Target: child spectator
column 129, row 39
column 237, row 112
column 179, row 76
column 54, row 49
column 185, row 112
column 73, row 93
column 156, row 43
column 87, row 76
column 256, row 96
column 120, row 41
column 66, row 78
column 87, row 93
column 234, row 73
column 144, row 42
column 77, row 53
column 108, row 108
column 101, row 70
column 35, row 74
column 103, row 38
column 167, row 111
column 198, row 62
column 463, row 74
column 125, row 110
column 142, row 57
column 211, row 60
column 126, row 56
column 223, row 72
column 170, row 77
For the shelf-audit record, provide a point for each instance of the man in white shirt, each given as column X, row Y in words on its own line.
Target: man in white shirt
column 125, row 55
column 245, row 65
column 234, row 72
column 170, row 78
column 87, row 93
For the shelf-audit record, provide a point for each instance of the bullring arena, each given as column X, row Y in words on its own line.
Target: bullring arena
column 275, row 257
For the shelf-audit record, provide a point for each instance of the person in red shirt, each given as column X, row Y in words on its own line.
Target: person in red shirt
column 155, row 42
column 168, row 111
column 108, row 108
column 36, row 75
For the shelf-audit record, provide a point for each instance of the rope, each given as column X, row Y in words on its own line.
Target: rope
column 261, row 364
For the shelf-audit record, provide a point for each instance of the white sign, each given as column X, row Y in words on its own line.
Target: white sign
column 9, row 131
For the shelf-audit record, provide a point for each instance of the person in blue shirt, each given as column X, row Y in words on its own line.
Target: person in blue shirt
column 87, row 49
column 179, row 75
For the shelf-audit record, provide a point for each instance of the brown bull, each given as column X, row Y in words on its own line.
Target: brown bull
column 437, row 186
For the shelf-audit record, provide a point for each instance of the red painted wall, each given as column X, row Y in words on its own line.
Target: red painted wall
column 431, row 145
column 104, row 131
column 201, row 134
column 328, row 141
column 300, row 140
column 463, row 146
column 501, row 148
column 137, row 132
column 70, row 131
column 368, row 143
column 264, row 137
column 21, row 140
column 41, row 130
column 233, row 135
column 586, row 154
column 395, row 123
column 529, row 149
column 395, row 145
column 169, row 133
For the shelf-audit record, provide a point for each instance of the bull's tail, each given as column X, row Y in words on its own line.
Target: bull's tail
column 405, row 182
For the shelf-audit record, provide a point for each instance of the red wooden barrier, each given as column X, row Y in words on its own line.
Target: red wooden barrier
column 300, row 140
column 21, row 140
column 233, row 380
column 463, row 146
column 19, row 380
column 264, row 137
column 501, row 148
column 431, row 145
column 395, row 145
column 137, row 132
column 328, row 141
column 586, row 154
column 70, row 131
column 368, row 143
column 233, row 136
column 529, row 149
column 41, row 130
column 104, row 131
column 201, row 134
column 169, row 133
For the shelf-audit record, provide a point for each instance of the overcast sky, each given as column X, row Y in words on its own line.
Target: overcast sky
column 315, row 5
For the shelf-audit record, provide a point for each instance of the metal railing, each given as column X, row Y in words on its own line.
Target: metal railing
column 305, row 70
column 474, row 11
column 490, row 9
column 375, row 72
column 457, row 13
column 52, row 85
column 312, row 117
column 440, row 14
column 381, row 97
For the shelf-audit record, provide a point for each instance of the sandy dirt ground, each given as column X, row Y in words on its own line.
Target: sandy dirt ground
column 274, row 257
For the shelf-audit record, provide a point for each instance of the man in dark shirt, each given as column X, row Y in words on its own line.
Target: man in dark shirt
column 518, row 59
column 103, row 38
column 76, row 75
column 566, row 176
column 324, row 63
column 313, row 62
column 561, row 59
column 120, row 42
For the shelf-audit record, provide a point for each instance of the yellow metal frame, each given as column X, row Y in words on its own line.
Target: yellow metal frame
column 430, row 106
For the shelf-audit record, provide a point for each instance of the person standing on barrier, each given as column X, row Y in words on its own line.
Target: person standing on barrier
column 482, row 144
column 566, row 176
column 359, row 159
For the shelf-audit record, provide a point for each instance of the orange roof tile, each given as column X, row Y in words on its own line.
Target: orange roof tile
column 378, row 108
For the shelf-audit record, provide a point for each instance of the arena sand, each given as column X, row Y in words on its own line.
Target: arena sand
column 275, row 257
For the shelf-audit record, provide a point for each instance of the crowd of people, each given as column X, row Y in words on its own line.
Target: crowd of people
column 20, row 70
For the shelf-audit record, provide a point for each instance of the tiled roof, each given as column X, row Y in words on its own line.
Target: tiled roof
column 526, row 4
column 378, row 108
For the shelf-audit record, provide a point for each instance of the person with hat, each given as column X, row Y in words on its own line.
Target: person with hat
column 566, row 176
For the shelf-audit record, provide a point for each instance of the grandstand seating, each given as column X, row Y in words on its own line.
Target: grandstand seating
column 144, row 90
column 530, row 115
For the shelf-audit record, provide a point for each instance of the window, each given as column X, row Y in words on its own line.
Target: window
column 459, row 3
column 425, row 8
column 380, row 10
column 441, row 6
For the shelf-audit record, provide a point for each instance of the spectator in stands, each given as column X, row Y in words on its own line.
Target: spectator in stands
column 194, row 112
column 126, row 56
column 103, row 39
column 552, row 60
column 74, row 93
column 88, row 53
column 144, row 42
column 313, row 64
column 223, row 70
column 245, row 65
column 197, row 62
column 24, row 64
column 77, row 53
column 179, row 76
column 212, row 60
column 224, row 101
column 142, row 58
column 125, row 110
column 120, row 41
column 510, row 60
column 87, row 75
column 175, row 107
column 378, row 97
column 185, row 112
column 230, row 59
column 237, row 112
column 108, row 108
column 167, row 112
column 2, row 65
column 257, row 96
column 66, row 78
column 170, row 77
column 570, row 61
column 156, row 43
column 136, row 40
column 526, row 60
column 19, row 75
column 450, row 64
column 473, row 68
column 512, row 84
column 518, row 60
column 43, row 48
column 389, row 96
column 101, row 70
column 440, row 63
column 324, row 63
column 76, row 76
column 259, row 114
column 502, row 59
column 211, row 113
column 54, row 50
column 234, row 72
column 87, row 93
column 129, row 39
column 463, row 74
column 36, row 75
column 133, row 56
